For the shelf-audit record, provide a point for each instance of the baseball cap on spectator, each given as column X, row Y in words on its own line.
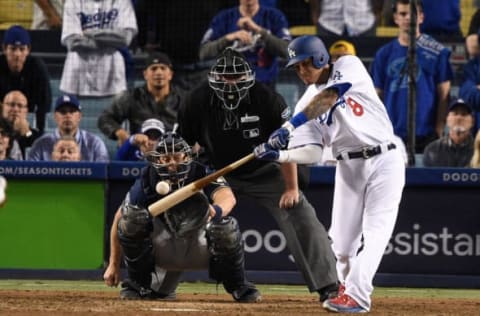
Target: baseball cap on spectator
column 153, row 128
column 157, row 58
column 16, row 35
column 67, row 100
column 459, row 102
column 153, row 124
column 342, row 48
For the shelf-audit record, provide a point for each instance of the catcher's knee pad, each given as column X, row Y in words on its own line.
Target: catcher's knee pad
column 135, row 223
column 227, row 260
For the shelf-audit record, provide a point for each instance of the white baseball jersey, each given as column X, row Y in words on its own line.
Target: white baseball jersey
column 359, row 118
column 101, row 72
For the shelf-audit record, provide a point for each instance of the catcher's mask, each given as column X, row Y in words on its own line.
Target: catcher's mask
column 187, row 217
column 171, row 158
column 231, row 77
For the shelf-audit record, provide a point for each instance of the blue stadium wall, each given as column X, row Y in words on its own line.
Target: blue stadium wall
column 57, row 219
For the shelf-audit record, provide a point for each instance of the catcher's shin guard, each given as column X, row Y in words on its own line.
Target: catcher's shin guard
column 134, row 235
column 227, row 260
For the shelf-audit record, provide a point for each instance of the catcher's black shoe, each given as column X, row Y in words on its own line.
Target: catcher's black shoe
column 247, row 294
column 328, row 292
column 133, row 291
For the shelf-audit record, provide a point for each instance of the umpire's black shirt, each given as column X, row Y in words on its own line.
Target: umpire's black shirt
column 228, row 135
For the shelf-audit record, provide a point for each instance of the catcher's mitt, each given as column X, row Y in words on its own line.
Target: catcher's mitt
column 188, row 216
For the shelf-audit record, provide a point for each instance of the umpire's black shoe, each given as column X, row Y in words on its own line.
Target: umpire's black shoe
column 327, row 292
column 247, row 294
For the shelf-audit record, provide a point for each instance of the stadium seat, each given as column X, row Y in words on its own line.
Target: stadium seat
column 299, row 30
column 387, row 31
column 94, row 106
column 289, row 92
column 31, row 118
column 55, row 87
column 50, row 124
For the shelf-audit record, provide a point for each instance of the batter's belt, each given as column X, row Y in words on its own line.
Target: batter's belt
column 366, row 152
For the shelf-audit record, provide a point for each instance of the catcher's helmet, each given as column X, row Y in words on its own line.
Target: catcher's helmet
column 171, row 158
column 231, row 77
column 307, row 46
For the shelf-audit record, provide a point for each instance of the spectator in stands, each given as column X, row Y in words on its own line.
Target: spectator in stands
column 15, row 12
column 14, row 109
column 47, row 14
column 472, row 39
column 442, row 18
column 475, row 162
column 66, row 148
column 96, row 34
column 19, row 70
column 156, row 99
column 434, row 73
column 9, row 149
column 261, row 33
column 456, row 148
column 138, row 144
column 342, row 18
column 470, row 85
column 160, row 22
column 341, row 48
column 68, row 116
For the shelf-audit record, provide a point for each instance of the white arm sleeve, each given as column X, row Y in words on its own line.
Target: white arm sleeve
column 308, row 154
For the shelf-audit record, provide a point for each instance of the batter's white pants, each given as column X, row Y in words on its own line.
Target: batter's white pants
column 366, row 199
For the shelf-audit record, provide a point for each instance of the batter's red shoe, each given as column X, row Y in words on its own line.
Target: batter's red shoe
column 343, row 304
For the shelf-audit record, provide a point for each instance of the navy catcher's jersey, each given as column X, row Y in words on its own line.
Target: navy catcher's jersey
column 228, row 135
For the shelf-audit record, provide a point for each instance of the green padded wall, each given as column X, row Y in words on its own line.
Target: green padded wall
column 52, row 224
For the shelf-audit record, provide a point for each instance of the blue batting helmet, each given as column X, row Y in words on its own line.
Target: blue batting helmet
column 307, row 46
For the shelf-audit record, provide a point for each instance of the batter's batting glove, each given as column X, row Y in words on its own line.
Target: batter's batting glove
column 279, row 138
column 266, row 152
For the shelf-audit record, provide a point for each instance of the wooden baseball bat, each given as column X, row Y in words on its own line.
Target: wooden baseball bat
column 184, row 193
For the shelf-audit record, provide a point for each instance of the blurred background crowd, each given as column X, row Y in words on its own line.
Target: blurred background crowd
column 81, row 79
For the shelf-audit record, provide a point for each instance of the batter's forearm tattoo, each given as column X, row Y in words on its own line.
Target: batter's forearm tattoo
column 314, row 110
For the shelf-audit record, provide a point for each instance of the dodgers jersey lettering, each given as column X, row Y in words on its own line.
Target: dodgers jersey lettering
column 359, row 118
column 101, row 19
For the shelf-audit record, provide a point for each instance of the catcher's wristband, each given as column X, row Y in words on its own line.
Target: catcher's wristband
column 218, row 213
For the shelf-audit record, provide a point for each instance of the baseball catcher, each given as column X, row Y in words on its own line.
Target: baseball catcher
column 195, row 234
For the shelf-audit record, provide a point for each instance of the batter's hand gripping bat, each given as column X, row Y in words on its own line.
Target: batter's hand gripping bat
column 184, row 193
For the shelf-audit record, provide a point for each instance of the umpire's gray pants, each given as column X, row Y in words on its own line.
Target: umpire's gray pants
column 306, row 237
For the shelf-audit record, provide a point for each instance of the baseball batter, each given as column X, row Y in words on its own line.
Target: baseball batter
column 346, row 113
column 195, row 234
column 96, row 32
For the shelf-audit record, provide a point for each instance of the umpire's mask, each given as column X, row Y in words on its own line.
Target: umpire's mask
column 230, row 78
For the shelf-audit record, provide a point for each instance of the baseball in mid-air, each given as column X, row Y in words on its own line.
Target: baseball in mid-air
column 162, row 187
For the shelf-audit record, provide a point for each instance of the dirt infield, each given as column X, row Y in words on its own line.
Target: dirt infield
column 73, row 303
